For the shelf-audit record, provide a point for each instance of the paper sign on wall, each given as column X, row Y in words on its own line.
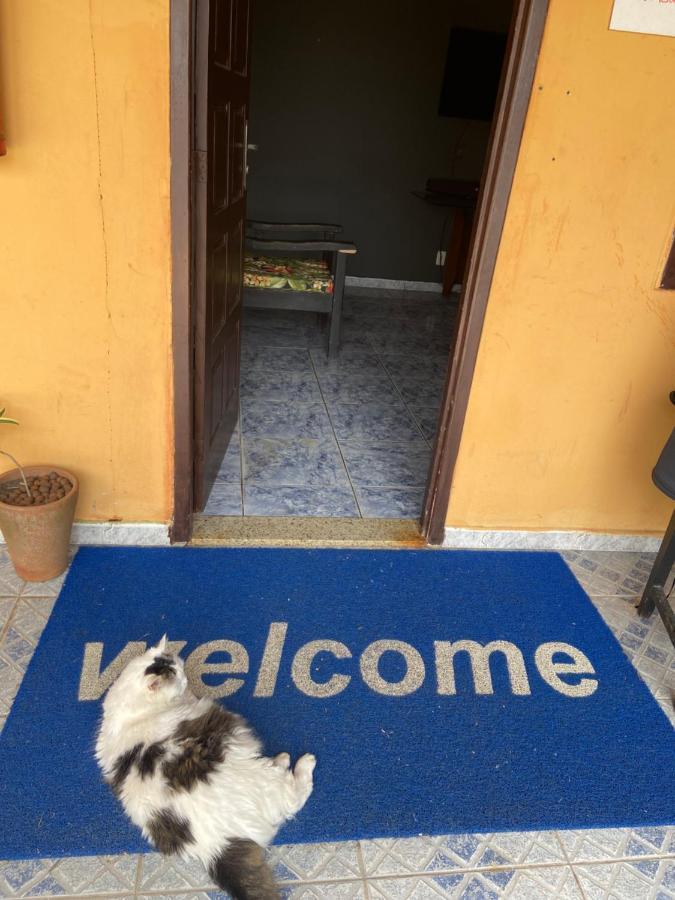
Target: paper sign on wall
column 645, row 16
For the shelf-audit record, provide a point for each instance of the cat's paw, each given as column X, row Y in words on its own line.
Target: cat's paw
column 305, row 765
column 282, row 761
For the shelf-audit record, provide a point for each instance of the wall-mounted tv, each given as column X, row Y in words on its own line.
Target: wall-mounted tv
column 473, row 66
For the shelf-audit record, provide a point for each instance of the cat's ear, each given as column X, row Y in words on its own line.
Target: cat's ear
column 154, row 684
column 162, row 644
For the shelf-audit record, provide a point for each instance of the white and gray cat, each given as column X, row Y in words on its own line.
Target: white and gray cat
column 192, row 775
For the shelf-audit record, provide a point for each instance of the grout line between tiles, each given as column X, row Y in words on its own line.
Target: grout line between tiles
column 103, row 894
column 298, row 881
column 509, row 867
column 335, row 438
column 442, row 873
column 396, row 388
column 369, row 441
column 10, row 619
column 579, row 884
column 241, row 454
column 139, row 874
column 575, row 875
column 610, row 860
column 613, row 875
column 562, row 847
column 393, row 487
column 362, row 869
column 466, row 870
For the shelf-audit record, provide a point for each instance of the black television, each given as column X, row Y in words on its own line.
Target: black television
column 473, row 66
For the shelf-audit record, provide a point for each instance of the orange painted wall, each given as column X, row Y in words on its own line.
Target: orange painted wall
column 569, row 407
column 85, row 247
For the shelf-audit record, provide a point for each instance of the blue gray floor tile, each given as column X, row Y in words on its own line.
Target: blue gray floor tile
column 293, row 461
column 390, row 503
column 422, row 391
column 354, row 362
column 264, row 418
column 230, row 469
column 372, row 422
column 384, row 464
column 426, row 418
column 286, row 500
column 224, row 500
column 375, row 388
column 274, row 359
column 403, row 366
column 281, row 386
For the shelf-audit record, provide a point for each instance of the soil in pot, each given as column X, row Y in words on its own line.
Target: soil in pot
column 43, row 489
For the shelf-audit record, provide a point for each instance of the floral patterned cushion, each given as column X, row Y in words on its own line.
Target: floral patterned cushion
column 284, row 272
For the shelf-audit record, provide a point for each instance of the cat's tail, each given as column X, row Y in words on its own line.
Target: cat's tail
column 241, row 870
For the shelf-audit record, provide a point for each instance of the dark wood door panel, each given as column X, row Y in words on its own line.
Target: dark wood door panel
column 220, row 191
column 221, row 118
column 222, row 49
column 240, row 37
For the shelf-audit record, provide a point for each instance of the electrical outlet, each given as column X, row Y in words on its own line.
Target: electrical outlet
column 440, row 257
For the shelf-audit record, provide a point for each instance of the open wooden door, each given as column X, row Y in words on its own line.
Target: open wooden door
column 221, row 82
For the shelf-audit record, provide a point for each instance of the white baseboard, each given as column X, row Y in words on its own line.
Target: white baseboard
column 390, row 284
column 123, row 534
column 156, row 534
column 469, row 538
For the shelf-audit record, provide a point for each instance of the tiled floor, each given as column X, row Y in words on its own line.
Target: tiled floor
column 618, row 864
column 350, row 437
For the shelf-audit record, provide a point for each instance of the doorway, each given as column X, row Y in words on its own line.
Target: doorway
column 350, row 427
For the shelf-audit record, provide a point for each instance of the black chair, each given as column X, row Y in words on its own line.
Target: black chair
column 654, row 596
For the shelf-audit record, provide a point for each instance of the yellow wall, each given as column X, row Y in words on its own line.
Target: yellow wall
column 569, row 407
column 85, row 247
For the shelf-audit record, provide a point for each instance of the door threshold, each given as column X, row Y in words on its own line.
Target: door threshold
column 305, row 531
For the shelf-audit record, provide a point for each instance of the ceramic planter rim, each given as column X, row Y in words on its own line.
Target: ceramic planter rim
column 15, row 474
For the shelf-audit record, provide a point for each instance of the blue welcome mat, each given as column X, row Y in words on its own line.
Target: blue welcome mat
column 441, row 691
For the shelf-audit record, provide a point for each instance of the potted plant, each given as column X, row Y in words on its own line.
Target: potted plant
column 37, row 507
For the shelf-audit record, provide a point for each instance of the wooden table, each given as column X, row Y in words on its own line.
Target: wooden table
column 461, row 197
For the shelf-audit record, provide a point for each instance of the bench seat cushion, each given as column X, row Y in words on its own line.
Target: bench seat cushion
column 287, row 273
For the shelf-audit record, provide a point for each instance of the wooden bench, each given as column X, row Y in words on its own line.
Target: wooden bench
column 320, row 289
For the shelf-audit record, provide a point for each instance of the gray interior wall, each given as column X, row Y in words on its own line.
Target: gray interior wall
column 344, row 110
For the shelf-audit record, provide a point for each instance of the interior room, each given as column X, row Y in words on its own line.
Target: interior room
column 373, row 118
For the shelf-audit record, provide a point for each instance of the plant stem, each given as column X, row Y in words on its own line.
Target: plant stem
column 23, row 477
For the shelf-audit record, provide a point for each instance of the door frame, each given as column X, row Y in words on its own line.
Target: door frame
column 522, row 53
column 181, row 58
column 525, row 39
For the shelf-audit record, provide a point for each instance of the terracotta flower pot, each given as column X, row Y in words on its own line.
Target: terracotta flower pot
column 38, row 537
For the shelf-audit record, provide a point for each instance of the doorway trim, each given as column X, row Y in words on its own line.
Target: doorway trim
column 181, row 14
column 527, row 30
column 525, row 39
